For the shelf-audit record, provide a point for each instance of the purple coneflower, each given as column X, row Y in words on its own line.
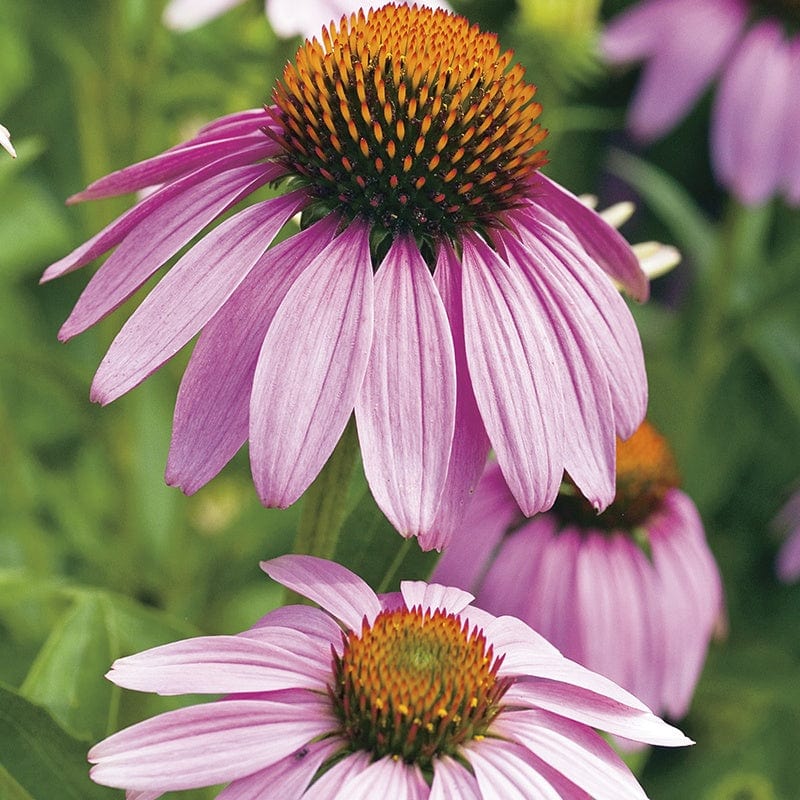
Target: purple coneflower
column 633, row 593
column 686, row 44
column 408, row 695
column 5, row 142
column 287, row 17
column 788, row 521
column 440, row 285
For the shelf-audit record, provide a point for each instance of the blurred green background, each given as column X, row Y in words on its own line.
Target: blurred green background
column 98, row 558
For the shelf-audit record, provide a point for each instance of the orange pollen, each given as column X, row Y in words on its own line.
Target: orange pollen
column 415, row 685
column 426, row 95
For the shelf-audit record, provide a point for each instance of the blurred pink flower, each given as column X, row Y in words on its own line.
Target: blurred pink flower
column 441, row 286
column 634, row 593
column 685, row 45
column 5, row 142
column 411, row 695
column 287, row 17
column 788, row 521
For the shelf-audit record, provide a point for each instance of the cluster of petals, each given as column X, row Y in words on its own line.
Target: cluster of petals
column 788, row 521
column 524, row 341
column 5, row 142
column 644, row 621
column 687, row 44
column 287, row 17
column 275, row 727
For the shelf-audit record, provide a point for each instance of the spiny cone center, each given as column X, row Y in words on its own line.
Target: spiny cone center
column 414, row 685
column 410, row 118
column 646, row 471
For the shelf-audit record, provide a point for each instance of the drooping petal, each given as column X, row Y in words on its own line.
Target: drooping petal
column 749, row 157
column 227, row 664
column 590, row 437
column 156, row 239
column 308, row 620
column 791, row 185
column 339, row 591
column 451, row 780
column 787, row 564
column 602, row 309
column 310, row 368
column 574, row 750
column 405, row 410
column 189, row 295
column 685, row 44
column 387, row 777
column 292, row 774
column 5, row 142
column 329, row 786
column 212, row 412
column 603, row 243
column 491, row 513
column 431, row 596
column 504, row 770
column 514, row 375
column 470, row 442
column 211, row 743
column 183, row 15
column 143, row 211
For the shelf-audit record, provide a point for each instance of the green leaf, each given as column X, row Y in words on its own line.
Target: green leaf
column 40, row 760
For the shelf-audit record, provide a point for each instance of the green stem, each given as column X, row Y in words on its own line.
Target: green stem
column 325, row 501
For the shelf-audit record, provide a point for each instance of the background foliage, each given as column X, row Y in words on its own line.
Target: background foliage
column 98, row 558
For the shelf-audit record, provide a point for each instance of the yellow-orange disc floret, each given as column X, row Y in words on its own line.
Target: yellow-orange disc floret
column 411, row 118
column 414, row 685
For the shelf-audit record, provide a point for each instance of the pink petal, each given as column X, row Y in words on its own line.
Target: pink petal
column 387, row 778
column 292, row 774
column 470, row 442
column 227, row 664
column 749, row 157
column 311, row 621
column 211, row 743
column 603, row 310
column 574, row 750
column 406, row 407
column 116, row 231
column 504, row 770
column 590, row 440
column 329, row 786
column 514, row 375
column 602, row 242
column 212, row 412
column 189, row 295
column 339, row 591
column 451, row 780
column 432, row 596
column 171, row 165
column 787, row 565
column 158, row 238
column 183, row 15
column 491, row 512
column 310, row 368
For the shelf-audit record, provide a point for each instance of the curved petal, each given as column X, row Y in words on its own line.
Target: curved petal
column 451, row 780
column 574, row 750
column 330, row 783
column 5, row 142
column 590, row 440
column 306, row 619
column 405, row 410
column 292, row 774
column 750, row 158
column 787, row 564
column 211, row 743
column 387, row 777
column 470, row 442
column 514, row 375
column 339, row 591
column 189, row 295
column 183, row 15
column 491, row 512
column 310, row 368
column 602, row 242
column 227, row 664
column 212, row 412
column 433, row 596
column 157, row 238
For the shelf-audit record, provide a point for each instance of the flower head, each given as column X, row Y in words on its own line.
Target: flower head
column 440, row 285
column 410, row 695
column 755, row 55
column 5, row 142
column 788, row 522
column 633, row 593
